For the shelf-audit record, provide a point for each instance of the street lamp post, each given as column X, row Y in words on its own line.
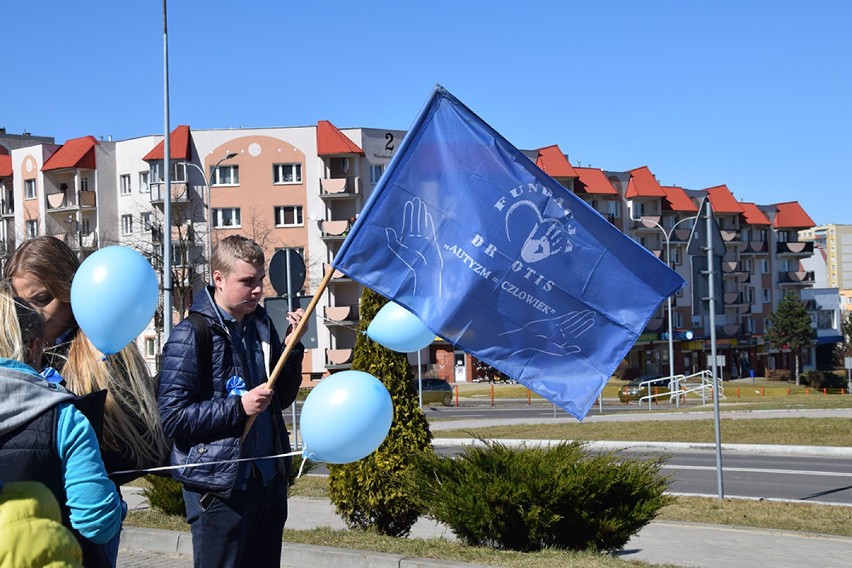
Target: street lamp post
column 667, row 235
column 207, row 184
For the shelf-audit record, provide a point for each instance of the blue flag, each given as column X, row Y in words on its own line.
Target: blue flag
column 502, row 261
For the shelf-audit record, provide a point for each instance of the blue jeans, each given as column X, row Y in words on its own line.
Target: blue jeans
column 243, row 530
column 111, row 548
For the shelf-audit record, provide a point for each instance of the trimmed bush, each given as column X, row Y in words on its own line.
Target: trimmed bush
column 165, row 494
column 373, row 493
column 531, row 498
column 781, row 375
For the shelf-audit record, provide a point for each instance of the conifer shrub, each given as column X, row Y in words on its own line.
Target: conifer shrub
column 375, row 493
column 165, row 494
column 531, row 498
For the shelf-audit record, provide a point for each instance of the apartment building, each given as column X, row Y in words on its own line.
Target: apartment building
column 302, row 187
column 832, row 260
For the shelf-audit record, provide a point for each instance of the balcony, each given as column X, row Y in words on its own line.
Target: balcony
column 340, row 188
column 337, row 276
column 680, row 235
column 341, row 315
column 730, row 330
column 754, row 247
column 730, row 236
column 734, row 269
column 180, row 192
column 795, row 248
column 805, row 278
column 335, row 230
column 56, row 200
column 338, row 358
column 734, row 300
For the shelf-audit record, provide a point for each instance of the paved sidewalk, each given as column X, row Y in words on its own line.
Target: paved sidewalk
column 681, row 544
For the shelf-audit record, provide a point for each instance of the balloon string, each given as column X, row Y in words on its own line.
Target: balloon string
column 302, row 465
column 190, row 465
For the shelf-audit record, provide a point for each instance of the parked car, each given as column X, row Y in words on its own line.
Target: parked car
column 436, row 390
column 639, row 387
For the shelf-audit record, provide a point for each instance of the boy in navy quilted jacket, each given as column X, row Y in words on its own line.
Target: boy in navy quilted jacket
column 236, row 509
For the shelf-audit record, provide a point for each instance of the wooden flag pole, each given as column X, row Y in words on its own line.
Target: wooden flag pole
column 294, row 338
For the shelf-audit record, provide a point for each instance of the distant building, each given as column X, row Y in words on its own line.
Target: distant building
column 302, row 187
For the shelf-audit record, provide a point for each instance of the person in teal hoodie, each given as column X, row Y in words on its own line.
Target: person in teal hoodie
column 43, row 437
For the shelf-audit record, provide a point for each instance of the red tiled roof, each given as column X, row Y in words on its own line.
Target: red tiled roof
column 179, row 146
column 752, row 215
column 332, row 141
column 75, row 153
column 791, row 216
column 5, row 165
column 643, row 184
column 593, row 181
column 677, row 200
column 554, row 163
column 722, row 200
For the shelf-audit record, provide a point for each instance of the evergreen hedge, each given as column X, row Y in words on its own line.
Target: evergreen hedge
column 532, row 498
column 374, row 493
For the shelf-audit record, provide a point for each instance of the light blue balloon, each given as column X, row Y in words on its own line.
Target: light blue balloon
column 113, row 296
column 345, row 418
column 398, row 329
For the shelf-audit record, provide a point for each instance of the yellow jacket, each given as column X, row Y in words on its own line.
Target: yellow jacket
column 33, row 534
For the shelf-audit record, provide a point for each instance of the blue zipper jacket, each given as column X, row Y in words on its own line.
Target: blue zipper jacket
column 203, row 422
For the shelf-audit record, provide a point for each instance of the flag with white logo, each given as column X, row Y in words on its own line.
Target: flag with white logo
column 501, row 260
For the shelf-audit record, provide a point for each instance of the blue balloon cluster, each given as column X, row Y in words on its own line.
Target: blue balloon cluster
column 345, row 418
column 113, row 296
column 399, row 330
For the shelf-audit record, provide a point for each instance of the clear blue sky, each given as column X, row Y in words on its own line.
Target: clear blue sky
column 752, row 94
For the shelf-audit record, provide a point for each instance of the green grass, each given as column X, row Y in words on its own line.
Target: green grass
column 788, row 431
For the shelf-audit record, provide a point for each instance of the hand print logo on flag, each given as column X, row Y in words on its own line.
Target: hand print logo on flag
column 501, row 260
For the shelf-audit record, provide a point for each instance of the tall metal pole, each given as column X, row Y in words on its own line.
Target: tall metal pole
column 712, row 310
column 167, row 183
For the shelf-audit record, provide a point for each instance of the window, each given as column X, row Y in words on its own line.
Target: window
column 124, row 182
column 226, row 217
column 678, row 319
column 179, row 254
column 86, row 226
column 150, row 347
column 84, row 184
column 825, row 319
column 782, row 236
column 179, row 172
column 286, row 173
column 676, row 257
column 638, row 209
column 764, row 266
column 766, row 297
column 376, row 171
column 30, row 189
column 145, row 220
column 225, row 175
column 613, row 208
column 289, row 216
column 143, row 183
column 126, row 224
column 32, row 228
